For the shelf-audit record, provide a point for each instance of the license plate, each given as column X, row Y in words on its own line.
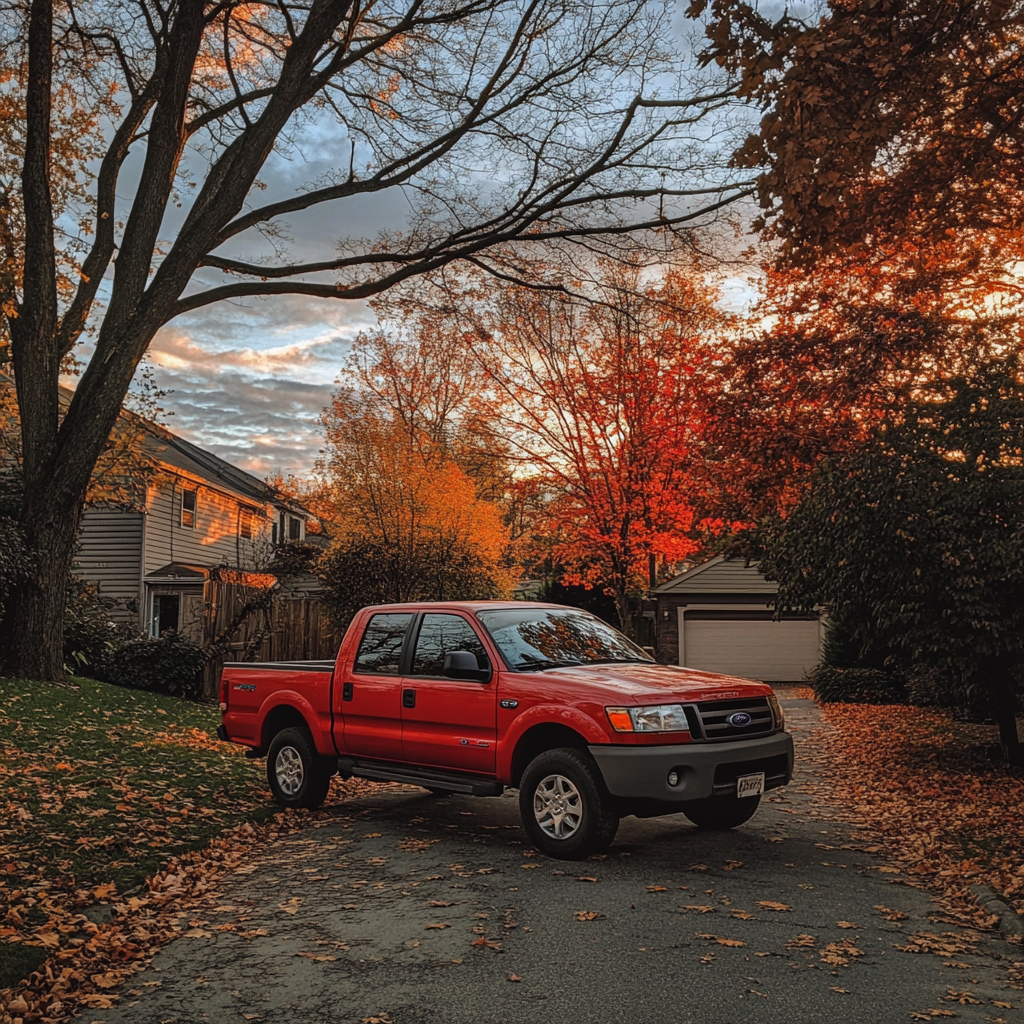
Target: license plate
column 750, row 785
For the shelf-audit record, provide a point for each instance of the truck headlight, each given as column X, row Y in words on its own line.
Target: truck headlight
column 777, row 712
column 657, row 718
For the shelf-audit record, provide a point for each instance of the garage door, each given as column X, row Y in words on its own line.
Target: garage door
column 755, row 649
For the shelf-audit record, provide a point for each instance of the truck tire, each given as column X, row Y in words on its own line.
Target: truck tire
column 565, row 806
column 720, row 813
column 297, row 774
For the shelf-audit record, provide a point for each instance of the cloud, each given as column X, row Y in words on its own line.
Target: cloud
column 256, row 405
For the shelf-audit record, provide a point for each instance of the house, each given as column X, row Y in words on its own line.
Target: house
column 194, row 518
column 719, row 617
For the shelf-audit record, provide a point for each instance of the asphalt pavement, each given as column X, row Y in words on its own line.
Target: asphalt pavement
column 405, row 909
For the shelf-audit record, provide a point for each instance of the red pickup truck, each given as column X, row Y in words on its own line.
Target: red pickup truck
column 470, row 697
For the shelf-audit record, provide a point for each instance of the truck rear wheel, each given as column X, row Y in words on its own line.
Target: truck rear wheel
column 297, row 774
column 720, row 813
column 565, row 807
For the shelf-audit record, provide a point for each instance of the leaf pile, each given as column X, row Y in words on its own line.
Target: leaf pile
column 923, row 791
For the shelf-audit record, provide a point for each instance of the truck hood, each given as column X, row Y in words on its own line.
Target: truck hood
column 636, row 682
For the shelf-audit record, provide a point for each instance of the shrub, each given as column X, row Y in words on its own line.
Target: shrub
column 15, row 563
column 167, row 664
column 857, row 686
column 90, row 638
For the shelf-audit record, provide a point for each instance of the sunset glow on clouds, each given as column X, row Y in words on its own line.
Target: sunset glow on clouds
column 248, row 382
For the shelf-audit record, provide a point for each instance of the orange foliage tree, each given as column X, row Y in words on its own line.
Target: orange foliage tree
column 831, row 348
column 603, row 404
column 408, row 522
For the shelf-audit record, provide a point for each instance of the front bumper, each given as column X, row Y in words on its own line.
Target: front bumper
column 705, row 769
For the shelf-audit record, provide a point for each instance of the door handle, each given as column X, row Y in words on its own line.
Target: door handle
column 346, row 691
column 408, row 698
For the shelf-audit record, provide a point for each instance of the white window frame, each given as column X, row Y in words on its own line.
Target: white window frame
column 194, row 491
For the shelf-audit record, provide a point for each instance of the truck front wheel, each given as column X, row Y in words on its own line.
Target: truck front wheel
column 564, row 805
column 719, row 813
column 297, row 775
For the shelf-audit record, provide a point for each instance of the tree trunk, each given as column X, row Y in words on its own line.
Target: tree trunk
column 1004, row 706
column 32, row 632
column 624, row 612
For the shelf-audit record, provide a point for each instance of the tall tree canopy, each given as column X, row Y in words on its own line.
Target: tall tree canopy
column 896, row 117
column 135, row 133
column 605, row 404
column 918, row 535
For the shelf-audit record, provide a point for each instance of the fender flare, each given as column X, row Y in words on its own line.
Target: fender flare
column 295, row 701
column 546, row 714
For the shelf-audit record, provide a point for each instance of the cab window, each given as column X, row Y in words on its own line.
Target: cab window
column 439, row 635
column 380, row 650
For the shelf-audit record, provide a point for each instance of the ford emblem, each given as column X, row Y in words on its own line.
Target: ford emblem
column 740, row 719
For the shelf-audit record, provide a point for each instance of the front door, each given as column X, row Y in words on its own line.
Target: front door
column 448, row 723
column 369, row 697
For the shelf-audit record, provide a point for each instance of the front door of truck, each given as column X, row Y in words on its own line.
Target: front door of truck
column 448, row 723
column 369, row 697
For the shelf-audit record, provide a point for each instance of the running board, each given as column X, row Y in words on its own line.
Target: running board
column 347, row 767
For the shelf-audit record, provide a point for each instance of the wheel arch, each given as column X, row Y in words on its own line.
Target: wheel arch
column 282, row 716
column 537, row 739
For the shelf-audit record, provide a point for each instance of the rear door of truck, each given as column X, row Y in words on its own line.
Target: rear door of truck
column 368, row 689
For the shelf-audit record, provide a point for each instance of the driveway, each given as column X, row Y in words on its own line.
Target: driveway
column 405, row 909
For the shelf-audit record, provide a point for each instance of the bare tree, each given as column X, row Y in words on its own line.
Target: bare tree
column 497, row 120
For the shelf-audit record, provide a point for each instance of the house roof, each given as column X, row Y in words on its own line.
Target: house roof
column 179, row 572
column 719, row 575
column 177, row 453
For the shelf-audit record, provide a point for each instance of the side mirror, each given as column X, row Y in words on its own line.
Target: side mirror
column 464, row 665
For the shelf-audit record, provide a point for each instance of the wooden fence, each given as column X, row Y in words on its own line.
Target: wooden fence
column 250, row 623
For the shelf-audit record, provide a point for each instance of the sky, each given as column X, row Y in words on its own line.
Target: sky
column 248, row 379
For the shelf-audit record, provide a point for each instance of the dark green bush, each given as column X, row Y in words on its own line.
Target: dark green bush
column 167, row 664
column 15, row 563
column 90, row 638
column 857, row 686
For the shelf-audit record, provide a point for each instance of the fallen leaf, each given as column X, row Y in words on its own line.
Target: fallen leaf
column 586, row 915
column 586, row 878
column 721, row 941
column 773, row 905
column 514, row 977
column 443, row 924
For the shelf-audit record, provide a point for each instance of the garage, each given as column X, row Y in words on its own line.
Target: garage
column 753, row 647
column 719, row 617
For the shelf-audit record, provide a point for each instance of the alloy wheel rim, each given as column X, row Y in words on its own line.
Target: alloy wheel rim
column 288, row 769
column 558, row 807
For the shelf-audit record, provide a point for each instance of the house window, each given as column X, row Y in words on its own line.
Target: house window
column 294, row 528
column 245, row 523
column 188, row 508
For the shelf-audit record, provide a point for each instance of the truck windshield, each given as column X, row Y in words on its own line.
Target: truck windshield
column 539, row 638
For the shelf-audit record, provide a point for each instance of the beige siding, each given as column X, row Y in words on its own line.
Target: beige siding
column 109, row 551
column 731, row 576
column 214, row 540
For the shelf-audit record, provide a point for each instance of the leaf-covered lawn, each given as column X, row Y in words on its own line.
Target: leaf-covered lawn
column 99, row 786
column 923, row 786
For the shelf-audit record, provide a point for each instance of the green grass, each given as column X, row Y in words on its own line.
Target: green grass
column 99, row 786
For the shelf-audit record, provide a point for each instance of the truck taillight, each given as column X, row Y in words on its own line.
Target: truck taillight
column 224, row 682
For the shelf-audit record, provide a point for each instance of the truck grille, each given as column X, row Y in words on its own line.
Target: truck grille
column 715, row 724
